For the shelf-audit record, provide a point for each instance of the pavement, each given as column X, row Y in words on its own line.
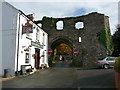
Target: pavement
column 25, row 75
column 5, row 79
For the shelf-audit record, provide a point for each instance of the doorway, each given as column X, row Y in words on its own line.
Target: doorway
column 37, row 58
column 62, row 53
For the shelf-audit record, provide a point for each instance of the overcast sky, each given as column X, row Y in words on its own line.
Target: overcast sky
column 68, row 8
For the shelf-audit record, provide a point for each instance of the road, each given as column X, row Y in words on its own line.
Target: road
column 65, row 78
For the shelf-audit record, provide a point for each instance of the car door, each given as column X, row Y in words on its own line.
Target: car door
column 111, row 60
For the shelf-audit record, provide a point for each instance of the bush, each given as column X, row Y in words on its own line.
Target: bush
column 117, row 64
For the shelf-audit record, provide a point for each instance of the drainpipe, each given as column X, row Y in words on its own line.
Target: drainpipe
column 18, row 45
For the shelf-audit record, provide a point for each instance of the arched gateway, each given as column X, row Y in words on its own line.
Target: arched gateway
column 92, row 40
column 63, row 48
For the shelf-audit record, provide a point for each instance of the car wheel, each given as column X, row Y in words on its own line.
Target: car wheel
column 106, row 66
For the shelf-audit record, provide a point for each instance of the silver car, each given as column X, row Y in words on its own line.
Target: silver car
column 106, row 62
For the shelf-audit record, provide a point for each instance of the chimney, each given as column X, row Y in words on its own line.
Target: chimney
column 30, row 16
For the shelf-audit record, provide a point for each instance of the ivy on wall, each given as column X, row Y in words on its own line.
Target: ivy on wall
column 102, row 38
column 105, row 40
column 109, row 42
column 49, row 21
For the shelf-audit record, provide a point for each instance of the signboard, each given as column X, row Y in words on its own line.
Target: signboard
column 50, row 51
column 36, row 44
column 27, row 29
column 76, row 52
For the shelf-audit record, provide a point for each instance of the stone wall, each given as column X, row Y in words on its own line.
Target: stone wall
column 93, row 44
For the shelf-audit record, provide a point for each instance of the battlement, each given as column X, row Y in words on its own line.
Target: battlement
column 69, row 23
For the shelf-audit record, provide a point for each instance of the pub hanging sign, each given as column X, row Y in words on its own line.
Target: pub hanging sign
column 27, row 29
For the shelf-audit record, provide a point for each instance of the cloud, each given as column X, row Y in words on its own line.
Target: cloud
column 68, row 8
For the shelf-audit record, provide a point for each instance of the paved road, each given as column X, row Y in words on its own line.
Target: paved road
column 65, row 78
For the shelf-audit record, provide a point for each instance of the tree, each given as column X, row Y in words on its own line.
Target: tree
column 116, row 41
column 64, row 49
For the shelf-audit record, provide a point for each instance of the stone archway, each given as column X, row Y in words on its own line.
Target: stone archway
column 92, row 40
column 62, row 47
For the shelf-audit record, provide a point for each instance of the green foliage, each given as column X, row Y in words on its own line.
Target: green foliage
column 63, row 49
column 117, row 64
column 105, row 40
column 102, row 38
column 109, row 42
column 54, row 55
column 76, row 63
column 116, row 42
column 49, row 21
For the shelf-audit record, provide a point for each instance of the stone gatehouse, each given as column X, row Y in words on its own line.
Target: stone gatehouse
column 92, row 39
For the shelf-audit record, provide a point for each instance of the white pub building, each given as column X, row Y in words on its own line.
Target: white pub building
column 24, row 43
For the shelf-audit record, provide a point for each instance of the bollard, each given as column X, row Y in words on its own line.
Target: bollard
column 6, row 73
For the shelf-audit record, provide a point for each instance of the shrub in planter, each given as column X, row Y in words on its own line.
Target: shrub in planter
column 117, row 64
column 117, row 72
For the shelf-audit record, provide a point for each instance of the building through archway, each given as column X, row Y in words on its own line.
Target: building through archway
column 62, row 51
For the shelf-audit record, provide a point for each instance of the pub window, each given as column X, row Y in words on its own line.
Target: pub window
column 43, row 38
column 27, row 58
column 36, row 35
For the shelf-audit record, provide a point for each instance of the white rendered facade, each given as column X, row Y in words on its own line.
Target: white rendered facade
column 27, row 41
column 19, row 48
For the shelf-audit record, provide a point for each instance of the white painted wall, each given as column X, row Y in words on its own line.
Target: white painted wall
column 9, row 28
column 0, row 39
column 44, row 40
column 11, row 25
column 24, row 43
column 46, row 48
column 1, row 43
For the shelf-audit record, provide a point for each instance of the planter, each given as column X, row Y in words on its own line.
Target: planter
column 117, row 72
column 117, row 80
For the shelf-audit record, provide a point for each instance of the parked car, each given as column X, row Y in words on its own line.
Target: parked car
column 106, row 62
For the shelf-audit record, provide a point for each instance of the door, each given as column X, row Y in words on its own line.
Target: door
column 111, row 61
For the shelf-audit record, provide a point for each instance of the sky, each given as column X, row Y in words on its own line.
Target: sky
column 69, row 8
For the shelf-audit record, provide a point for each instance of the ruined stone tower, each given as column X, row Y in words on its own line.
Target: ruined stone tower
column 95, row 36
